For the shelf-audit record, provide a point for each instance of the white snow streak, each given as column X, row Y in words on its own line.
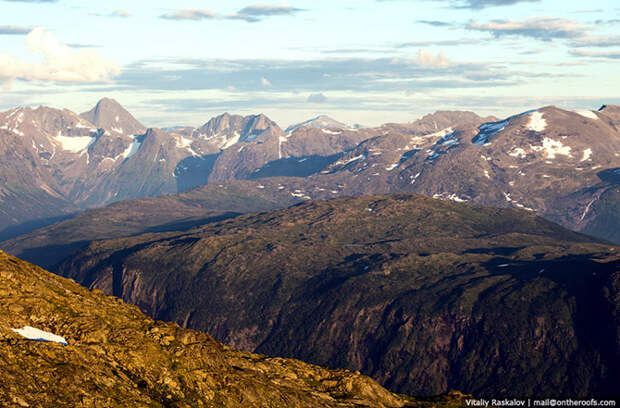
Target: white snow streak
column 587, row 114
column 32, row 333
column 132, row 149
column 585, row 212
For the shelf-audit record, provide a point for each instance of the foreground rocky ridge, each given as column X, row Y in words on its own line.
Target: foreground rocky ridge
column 117, row 357
column 423, row 295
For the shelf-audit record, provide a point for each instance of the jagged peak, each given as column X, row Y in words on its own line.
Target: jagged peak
column 108, row 113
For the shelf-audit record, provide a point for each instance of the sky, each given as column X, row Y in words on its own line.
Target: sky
column 359, row 61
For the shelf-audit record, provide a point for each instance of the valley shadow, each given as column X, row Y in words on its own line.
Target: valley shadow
column 505, row 251
column 294, row 166
column 29, row 226
column 193, row 171
column 610, row 175
column 190, row 224
column 50, row 255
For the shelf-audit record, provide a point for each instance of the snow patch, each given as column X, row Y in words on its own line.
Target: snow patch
column 351, row 160
column 451, row 197
column 118, row 130
column 32, row 333
column 551, row 148
column 586, row 154
column 414, row 178
column 132, row 149
column 300, row 195
column 184, row 143
column 516, row 204
column 537, row 123
column 392, row 167
column 486, row 174
column 587, row 209
column 486, row 130
column 233, row 140
column 441, row 133
column 587, row 114
column 330, row 132
column 517, row 152
column 74, row 144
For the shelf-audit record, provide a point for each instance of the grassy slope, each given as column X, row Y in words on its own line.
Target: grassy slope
column 117, row 357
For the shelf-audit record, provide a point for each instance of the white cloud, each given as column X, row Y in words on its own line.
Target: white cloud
column 265, row 82
column 60, row 62
column 542, row 28
column 426, row 59
column 120, row 13
column 596, row 54
column 317, row 98
column 190, row 14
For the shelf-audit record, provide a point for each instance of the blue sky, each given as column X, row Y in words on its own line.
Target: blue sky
column 362, row 61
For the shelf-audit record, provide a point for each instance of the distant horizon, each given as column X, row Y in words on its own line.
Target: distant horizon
column 362, row 61
column 314, row 116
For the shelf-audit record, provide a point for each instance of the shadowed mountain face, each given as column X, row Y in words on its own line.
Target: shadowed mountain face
column 423, row 295
column 114, row 356
column 556, row 163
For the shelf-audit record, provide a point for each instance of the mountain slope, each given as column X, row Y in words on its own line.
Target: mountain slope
column 109, row 114
column 320, row 122
column 422, row 295
column 47, row 246
column 117, row 357
column 553, row 162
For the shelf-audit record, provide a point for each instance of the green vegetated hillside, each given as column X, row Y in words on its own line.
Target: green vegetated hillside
column 422, row 295
column 47, row 246
column 117, row 357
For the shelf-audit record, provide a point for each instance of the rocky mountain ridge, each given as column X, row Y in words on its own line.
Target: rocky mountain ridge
column 560, row 164
column 62, row 345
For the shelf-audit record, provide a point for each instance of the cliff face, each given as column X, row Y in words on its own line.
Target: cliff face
column 109, row 354
column 422, row 295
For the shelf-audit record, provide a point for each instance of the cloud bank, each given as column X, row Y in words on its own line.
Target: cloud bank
column 250, row 14
column 541, row 28
column 60, row 62
column 14, row 30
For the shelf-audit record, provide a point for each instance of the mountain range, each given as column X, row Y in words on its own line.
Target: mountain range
column 452, row 252
column 563, row 165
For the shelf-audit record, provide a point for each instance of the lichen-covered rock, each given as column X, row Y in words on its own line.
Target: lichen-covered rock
column 117, row 357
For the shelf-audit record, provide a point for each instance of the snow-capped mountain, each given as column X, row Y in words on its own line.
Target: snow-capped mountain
column 557, row 163
column 320, row 122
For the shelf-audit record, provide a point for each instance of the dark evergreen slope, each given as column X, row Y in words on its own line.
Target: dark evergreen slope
column 423, row 295
column 116, row 357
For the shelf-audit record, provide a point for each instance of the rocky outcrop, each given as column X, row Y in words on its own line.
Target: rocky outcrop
column 102, row 352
